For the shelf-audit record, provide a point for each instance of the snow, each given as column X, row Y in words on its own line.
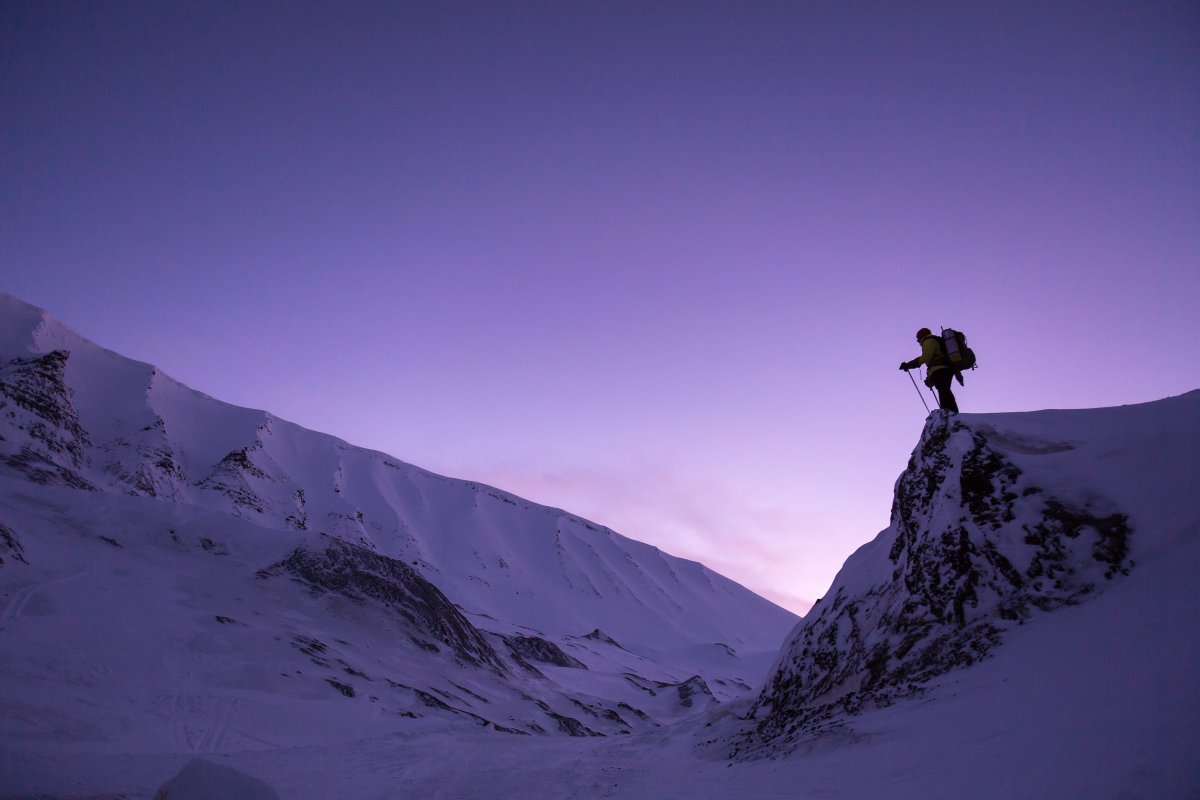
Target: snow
column 1143, row 458
column 490, row 551
column 204, row 780
column 139, row 640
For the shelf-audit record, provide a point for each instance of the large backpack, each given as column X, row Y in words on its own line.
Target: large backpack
column 955, row 353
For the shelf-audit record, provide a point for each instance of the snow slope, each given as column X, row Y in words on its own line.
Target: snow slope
column 1028, row 625
column 182, row 576
column 124, row 426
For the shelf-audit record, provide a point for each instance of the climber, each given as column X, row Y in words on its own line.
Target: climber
column 938, row 372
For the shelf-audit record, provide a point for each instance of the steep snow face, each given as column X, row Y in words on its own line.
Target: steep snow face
column 176, row 569
column 996, row 520
column 77, row 415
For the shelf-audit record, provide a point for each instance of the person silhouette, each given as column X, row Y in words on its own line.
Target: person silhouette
column 938, row 373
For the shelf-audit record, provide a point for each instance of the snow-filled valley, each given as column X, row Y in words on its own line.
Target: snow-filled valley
column 181, row 579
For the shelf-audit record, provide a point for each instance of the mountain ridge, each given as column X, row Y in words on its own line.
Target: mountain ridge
column 192, row 448
column 281, row 573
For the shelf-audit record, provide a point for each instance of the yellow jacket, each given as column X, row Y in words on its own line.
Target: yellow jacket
column 931, row 350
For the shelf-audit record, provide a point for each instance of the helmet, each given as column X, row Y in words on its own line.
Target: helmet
column 921, row 334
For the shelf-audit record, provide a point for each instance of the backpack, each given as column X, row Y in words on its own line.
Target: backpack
column 955, row 353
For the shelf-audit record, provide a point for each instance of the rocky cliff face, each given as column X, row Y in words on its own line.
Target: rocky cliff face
column 975, row 547
column 50, row 446
column 365, row 576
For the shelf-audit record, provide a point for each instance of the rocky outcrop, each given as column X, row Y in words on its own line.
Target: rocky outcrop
column 10, row 546
column 535, row 648
column 367, row 577
column 233, row 476
column 694, row 690
column 155, row 469
column 974, row 547
column 598, row 635
column 49, row 445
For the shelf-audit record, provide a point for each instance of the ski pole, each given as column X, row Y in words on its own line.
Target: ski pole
column 914, row 383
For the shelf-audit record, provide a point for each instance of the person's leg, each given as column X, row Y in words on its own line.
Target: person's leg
column 941, row 381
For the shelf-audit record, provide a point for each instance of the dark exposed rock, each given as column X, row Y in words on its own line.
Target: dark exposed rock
column 474, row 695
column 239, row 460
column 299, row 519
column 687, row 691
column 571, row 726
column 310, row 645
column 736, row 683
column 637, row 712
column 693, row 688
column 599, row 712
column 156, row 472
column 344, row 688
column 647, row 686
column 528, row 667
column 35, row 399
column 38, row 385
column 974, row 552
column 431, row 701
column 600, row 636
column 315, row 649
column 10, row 544
column 231, row 477
column 427, row 646
column 366, row 576
column 1062, row 524
column 38, row 468
column 209, row 546
column 349, row 670
column 534, row 648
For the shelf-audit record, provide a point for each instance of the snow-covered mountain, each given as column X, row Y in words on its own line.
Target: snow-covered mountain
column 189, row 571
column 85, row 417
column 182, row 578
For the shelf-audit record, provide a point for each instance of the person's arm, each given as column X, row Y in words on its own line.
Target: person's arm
column 929, row 351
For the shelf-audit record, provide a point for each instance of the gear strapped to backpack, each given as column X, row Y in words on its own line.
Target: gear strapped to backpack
column 955, row 353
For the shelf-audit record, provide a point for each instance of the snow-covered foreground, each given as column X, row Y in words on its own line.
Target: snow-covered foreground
column 1095, row 701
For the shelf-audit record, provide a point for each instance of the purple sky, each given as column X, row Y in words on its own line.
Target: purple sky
column 654, row 263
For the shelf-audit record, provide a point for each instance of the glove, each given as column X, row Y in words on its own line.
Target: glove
column 958, row 377
column 904, row 366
